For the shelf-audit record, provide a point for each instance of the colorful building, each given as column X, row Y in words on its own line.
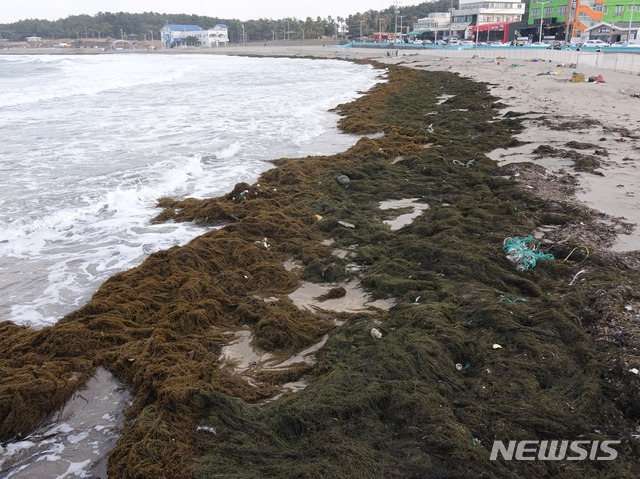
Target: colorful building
column 575, row 20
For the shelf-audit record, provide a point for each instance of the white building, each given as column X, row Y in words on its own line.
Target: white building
column 436, row 25
column 177, row 35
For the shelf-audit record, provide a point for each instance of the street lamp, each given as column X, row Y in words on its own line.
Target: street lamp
column 542, row 4
column 633, row 6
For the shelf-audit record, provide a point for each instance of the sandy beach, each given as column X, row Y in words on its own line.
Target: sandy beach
column 361, row 314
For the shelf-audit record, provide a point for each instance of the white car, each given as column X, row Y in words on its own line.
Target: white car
column 595, row 43
column 467, row 43
column 626, row 45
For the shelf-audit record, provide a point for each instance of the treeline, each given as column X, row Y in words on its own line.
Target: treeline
column 145, row 26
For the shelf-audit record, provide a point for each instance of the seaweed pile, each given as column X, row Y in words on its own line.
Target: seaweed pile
column 474, row 350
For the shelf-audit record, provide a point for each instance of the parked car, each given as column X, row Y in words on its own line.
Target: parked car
column 454, row 42
column 625, row 45
column 466, row 43
column 595, row 43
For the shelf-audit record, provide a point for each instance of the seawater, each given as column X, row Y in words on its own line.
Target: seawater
column 89, row 143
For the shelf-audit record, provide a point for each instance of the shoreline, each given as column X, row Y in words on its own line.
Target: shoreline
column 161, row 327
column 536, row 88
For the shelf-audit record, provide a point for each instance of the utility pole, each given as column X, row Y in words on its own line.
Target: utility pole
column 450, row 20
column 395, row 29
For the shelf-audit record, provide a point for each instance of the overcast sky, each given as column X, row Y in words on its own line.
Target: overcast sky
column 12, row 11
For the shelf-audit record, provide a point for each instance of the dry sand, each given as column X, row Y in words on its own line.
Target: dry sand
column 542, row 87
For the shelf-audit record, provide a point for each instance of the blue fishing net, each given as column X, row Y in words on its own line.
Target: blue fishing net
column 524, row 256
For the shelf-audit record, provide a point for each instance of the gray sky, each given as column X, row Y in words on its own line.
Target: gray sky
column 12, row 11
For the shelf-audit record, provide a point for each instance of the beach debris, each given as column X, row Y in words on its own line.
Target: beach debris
column 415, row 301
column 574, row 249
column 556, row 72
column 263, row 242
column 497, row 346
column 512, row 301
column 324, row 269
column 346, row 225
column 577, row 78
column 460, row 367
column 598, row 79
column 634, row 371
column 318, row 217
column 467, row 164
column 518, row 252
column 242, row 195
column 207, row 429
column 375, row 333
column 343, row 180
column 582, row 271
column 628, row 308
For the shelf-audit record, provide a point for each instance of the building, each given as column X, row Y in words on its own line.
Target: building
column 578, row 20
column 34, row 41
column 487, row 21
column 434, row 27
column 179, row 35
column 476, row 20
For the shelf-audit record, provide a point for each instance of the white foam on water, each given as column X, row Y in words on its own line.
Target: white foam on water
column 84, row 160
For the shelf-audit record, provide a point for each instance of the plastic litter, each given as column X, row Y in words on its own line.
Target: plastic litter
column 582, row 271
column 525, row 257
column 467, row 164
column 346, row 225
column 375, row 333
column 343, row 180
column 512, row 301
column 574, row 249
column 497, row 346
